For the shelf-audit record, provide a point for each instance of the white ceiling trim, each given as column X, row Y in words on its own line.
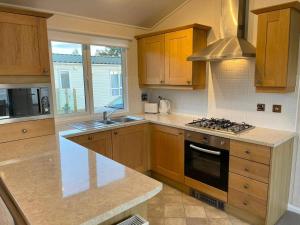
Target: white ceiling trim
column 88, row 38
column 170, row 14
column 77, row 17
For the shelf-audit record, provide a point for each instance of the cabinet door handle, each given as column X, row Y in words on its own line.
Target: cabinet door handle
column 188, row 82
column 45, row 70
column 246, row 169
column 90, row 138
column 115, row 132
column 245, row 203
column 24, row 131
column 246, row 186
column 247, row 152
column 162, row 81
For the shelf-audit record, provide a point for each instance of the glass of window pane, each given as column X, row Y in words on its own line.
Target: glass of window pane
column 69, row 79
column 107, row 77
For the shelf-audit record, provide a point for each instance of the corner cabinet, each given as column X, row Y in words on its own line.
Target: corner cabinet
column 277, row 47
column 24, row 45
column 167, row 152
column 163, row 58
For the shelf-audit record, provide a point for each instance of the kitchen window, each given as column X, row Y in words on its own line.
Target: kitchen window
column 88, row 78
column 116, row 83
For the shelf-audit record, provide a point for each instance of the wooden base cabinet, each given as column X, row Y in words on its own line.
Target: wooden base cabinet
column 259, row 181
column 130, row 147
column 167, row 152
column 99, row 142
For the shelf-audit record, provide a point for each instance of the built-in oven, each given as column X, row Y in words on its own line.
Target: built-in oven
column 207, row 159
column 22, row 101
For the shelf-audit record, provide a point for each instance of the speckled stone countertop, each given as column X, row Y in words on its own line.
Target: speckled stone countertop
column 54, row 181
column 258, row 135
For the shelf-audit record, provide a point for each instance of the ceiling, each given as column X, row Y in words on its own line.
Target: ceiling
column 142, row 13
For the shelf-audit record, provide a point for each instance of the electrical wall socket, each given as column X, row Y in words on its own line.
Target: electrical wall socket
column 261, row 107
column 277, row 108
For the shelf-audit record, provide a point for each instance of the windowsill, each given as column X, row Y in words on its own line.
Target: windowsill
column 73, row 118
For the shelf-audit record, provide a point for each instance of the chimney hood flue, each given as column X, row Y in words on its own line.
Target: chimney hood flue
column 233, row 28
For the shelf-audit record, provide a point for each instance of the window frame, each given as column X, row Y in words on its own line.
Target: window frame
column 88, row 83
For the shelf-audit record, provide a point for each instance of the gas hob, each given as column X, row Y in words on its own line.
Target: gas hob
column 221, row 125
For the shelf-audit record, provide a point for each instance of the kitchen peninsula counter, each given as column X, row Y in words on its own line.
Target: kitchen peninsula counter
column 54, row 181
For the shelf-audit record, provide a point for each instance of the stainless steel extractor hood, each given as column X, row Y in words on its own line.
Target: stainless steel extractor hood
column 233, row 24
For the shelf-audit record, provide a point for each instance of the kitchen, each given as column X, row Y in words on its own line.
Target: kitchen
column 160, row 145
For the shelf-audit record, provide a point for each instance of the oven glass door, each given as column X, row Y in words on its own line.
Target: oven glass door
column 207, row 164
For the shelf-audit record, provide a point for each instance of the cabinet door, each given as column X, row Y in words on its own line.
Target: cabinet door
column 151, row 60
column 167, row 152
column 23, row 44
column 130, row 147
column 179, row 45
column 98, row 142
column 272, row 49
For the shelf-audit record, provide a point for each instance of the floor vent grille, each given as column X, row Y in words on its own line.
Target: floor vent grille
column 134, row 220
column 209, row 200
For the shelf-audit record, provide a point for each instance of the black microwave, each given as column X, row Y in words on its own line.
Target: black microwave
column 21, row 102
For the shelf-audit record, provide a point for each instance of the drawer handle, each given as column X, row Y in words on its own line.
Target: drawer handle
column 246, row 169
column 90, row 138
column 246, row 186
column 247, row 152
column 245, row 203
column 115, row 133
column 24, row 131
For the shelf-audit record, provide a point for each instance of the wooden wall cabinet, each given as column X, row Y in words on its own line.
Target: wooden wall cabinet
column 167, row 152
column 277, row 47
column 130, row 147
column 24, row 46
column 163, row 58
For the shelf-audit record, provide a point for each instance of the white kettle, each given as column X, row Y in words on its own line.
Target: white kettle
column 164, row 106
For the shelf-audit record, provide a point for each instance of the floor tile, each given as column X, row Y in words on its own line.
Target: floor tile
column 212, row 212
column 170, row 190
column 155, row 211
column 219, row 222
column 156, row 221
column 236, row 221
column 196, row 221
column 175, row 221
column 189, row 200
column 174, row 210
column 194, row 211
column 172, row 199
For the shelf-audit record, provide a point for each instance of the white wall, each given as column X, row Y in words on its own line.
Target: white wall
column 230, row 91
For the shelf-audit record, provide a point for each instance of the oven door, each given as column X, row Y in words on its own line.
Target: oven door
column 207, row 164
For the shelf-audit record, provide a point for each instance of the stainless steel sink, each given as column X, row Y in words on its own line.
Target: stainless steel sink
column 106, row 122
column 126, row 119
column 98, row 124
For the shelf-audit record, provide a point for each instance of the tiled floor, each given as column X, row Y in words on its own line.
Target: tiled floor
column 172, row 207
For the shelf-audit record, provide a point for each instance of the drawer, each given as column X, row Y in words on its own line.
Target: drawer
column 256, row 171
column 253, row 152
column 246, row 202
column 28, row 129
column 248, row 186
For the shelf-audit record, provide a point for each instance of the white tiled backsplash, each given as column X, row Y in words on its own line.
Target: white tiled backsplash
column 231, row 94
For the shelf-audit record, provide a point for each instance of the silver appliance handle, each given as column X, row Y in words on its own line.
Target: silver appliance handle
column 204, row 150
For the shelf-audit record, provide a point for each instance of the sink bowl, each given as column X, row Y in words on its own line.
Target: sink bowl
column 126, row 119
column 106, row 122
